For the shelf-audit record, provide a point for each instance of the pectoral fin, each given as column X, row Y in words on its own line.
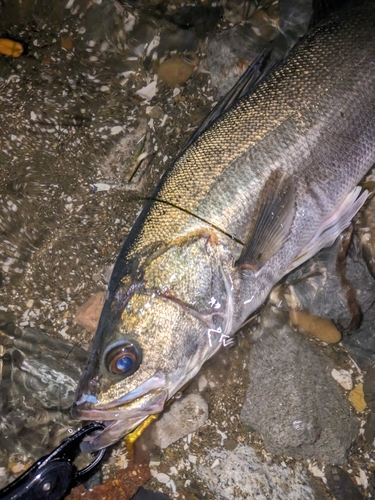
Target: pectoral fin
column 272, row 223
column 332, row 226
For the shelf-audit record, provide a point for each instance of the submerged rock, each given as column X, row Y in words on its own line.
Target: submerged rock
column 230, row 53
column 293, row 401
column 38, row 379
column 242, row 474
column 361, row 343
column 337, row 285
column 341, row 485
column 317, row 286
column 183, row 417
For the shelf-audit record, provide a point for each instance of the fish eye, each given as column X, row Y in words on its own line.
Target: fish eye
column 123, row 358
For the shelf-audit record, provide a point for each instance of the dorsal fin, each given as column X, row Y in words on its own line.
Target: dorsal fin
column 256, row 73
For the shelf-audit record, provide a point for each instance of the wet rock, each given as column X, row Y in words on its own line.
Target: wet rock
column 184, row 416
column 177, row 39
column 366, row 230
column 242, row 474
column 269, row 28
column 229, row 54
column 341, row 486
column 175, row 71
column 199, row 17
column 264, row 26
column 293, row 401
column 369, row 387
column 361, row 343
column 321, row 491
column 294, row 19
column 88, row 314
column 339, row 288
column 369, row 433
column 143, row 494
column 321, row 328
column 317, row 286
column 359, row 277
column 38, row 379
column 141, row 36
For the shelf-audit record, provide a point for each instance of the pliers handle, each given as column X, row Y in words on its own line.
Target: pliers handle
column 52, row 476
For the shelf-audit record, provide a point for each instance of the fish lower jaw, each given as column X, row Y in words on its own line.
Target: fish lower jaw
column 104, row 438
column 113, row 432
column 95, row 415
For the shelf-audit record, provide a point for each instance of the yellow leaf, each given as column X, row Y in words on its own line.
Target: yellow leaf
column 357, row 398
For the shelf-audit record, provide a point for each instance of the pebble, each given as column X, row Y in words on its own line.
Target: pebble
column 184, row 416
column 101, row 186
column 344, row 378
column 202, row 383
column 88, row 314
column 30, row 303
column 321, row 328
column 67, row 43
column 175, row 71
column 357, row 398
column 10, row 48
column 17, row 468
column 162, row 478
column 117, row 129
column 147, row 92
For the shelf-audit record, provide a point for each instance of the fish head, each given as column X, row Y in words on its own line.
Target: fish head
column 155, row 332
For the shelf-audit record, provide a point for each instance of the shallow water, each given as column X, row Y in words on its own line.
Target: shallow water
column 73, row 179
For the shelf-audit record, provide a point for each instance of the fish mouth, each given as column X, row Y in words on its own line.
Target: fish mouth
column 122, row 415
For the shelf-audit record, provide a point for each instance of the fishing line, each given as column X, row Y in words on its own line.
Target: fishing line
column 231, row 236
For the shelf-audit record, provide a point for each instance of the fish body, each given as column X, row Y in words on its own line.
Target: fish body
column 263, row 188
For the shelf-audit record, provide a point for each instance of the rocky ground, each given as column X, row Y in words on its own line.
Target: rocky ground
column 102, row 98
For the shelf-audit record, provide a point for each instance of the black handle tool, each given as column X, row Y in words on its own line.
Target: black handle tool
column 52, row 476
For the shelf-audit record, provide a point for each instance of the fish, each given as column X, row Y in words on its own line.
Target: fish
column 267, row 182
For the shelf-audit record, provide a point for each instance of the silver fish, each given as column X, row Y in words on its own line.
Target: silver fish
column 261, row 190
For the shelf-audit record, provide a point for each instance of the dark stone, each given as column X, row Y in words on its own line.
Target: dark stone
column 341, row 289
column 198, row 17
column 292, row 400
column 361, row 343
column 369, row 387
column 369, row 434
column 341, row 486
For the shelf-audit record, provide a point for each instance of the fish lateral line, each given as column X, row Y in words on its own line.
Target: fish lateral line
column 192, row 214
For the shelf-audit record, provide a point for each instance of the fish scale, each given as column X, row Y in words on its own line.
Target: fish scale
column 223, row 158
column 264, row 187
